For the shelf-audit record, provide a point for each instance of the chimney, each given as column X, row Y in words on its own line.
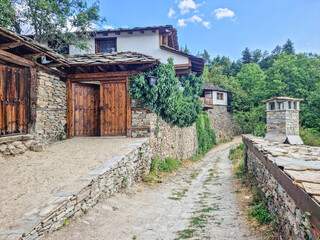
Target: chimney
column 283, row 120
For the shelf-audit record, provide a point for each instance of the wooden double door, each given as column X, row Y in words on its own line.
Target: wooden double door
column 100, row 109
column 14, row 99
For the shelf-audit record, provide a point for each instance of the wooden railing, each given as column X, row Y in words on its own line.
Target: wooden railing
column 206, row 100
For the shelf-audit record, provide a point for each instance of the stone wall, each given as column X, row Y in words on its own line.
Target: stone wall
column 120, row 171
column 171, row 141
column 289, row 218
column 51, row 109
column 222, row 122
column 13, row 145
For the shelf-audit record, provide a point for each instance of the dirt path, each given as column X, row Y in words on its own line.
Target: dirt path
column 198, row 202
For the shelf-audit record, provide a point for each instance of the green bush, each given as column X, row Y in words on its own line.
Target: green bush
column 310, row 136
column 206, row 135
column 176, row 107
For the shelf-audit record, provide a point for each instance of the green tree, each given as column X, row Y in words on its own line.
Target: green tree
column 246, row 56
column 288, row 47
column 185, row 49
column 7, row 14
column 64, row 22
column 205, row 55
column 257, row 56
column 277, row 50
column 311, row 111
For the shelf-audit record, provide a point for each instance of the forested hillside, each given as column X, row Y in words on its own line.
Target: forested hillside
column 259, row 75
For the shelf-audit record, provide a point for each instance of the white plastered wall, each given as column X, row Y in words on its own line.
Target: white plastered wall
column 146, row 43
column 220, row 102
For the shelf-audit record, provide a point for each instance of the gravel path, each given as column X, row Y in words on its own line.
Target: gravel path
column 197, row 202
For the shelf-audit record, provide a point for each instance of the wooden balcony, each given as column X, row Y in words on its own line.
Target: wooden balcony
column 206, row 100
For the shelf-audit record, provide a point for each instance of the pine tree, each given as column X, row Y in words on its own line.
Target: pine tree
column 288, row 47
column 277, row 50
column 246, row 56
column 205, row 55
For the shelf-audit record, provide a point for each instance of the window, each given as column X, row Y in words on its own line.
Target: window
column 106, row 45
column 219, row 96
column 208, row 94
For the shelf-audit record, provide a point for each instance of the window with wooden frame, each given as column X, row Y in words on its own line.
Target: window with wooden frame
column 106, row 45
column 219, row 96
column 208, row 94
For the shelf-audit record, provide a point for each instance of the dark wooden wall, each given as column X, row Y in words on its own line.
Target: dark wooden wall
column 14, row 99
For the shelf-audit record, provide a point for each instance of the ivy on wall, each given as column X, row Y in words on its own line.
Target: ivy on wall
column 206, row 135
column 166, row 99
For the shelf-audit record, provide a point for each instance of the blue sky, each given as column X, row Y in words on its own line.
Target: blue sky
column 224, row 27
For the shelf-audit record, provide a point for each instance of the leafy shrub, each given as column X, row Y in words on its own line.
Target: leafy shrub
column 206, row 135
column 176, row 107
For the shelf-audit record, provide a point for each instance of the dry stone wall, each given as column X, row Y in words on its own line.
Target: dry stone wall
column 51, row 109
column 222, row 122
column 290, row 220
column 170, row 141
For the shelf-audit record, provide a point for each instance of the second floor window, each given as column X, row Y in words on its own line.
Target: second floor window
column 107, row 45
column 219, row 96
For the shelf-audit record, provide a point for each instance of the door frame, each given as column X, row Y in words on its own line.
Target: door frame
column 102, row 77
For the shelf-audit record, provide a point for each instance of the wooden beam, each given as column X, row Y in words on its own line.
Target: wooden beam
column 100, row 76
column 49, row 70
column 82, row 69
column 5, row 46
column 101, row 68
column 9, row 57
column 145, row 66
column 112, row 63
column 32, row 55
column 122, row 67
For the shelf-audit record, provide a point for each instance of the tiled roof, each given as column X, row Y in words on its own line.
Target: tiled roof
column 110, row 58
column 207, row 86
column 282, row 99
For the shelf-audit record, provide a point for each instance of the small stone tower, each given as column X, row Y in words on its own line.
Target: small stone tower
column 283, row 120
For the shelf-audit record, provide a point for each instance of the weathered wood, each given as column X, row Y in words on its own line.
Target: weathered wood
column 33, row 98
column 5, row 46
column 145, row 66
column 140, row 128
column 128, row 101
column 122, row 67
column 11, row 58
column 83, row 112
column 14, row 97
column 32, row 55
column 98, row 76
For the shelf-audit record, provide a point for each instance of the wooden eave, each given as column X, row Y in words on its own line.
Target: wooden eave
column 197, row 64
column 17, row 45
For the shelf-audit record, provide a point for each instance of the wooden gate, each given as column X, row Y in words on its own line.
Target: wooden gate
column 113, row 105
column 14, row 100
column 86, row 109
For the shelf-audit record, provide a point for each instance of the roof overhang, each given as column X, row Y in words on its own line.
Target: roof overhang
column 197, row 64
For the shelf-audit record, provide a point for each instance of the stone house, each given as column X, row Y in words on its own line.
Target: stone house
column 215, row 101
column 84, row 94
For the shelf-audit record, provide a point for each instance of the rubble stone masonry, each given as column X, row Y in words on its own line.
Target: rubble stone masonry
column 51, row 109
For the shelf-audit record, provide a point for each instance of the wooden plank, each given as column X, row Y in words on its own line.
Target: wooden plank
column 94, row 76
column 9, row 57
column 32, row 55
column 2, row 100
column 128, row 110
column 33, row 98
column 69, row 110
column 311, row 188
column 304, row 176
column 5, row 46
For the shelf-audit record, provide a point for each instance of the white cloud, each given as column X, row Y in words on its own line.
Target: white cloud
column 171, row 13
column 186, row 5
column 195, row 18
column 223, row 13
column 206, row 24
column 108, row 27
column 182, row 22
